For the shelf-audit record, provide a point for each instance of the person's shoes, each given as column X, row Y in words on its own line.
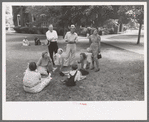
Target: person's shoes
column 97, row 70
column 92, row 68
column 61, row 74
column 54, row 69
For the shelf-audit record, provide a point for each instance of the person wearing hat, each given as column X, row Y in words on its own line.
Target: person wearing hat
column 71, row 38
column 52, row 41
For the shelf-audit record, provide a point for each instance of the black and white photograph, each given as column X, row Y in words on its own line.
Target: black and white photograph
column 81, row 54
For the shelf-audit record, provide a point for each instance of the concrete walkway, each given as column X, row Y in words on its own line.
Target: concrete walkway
column 125, row 41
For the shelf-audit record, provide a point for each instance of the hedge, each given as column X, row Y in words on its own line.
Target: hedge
column 36, row 30
column 60, row 31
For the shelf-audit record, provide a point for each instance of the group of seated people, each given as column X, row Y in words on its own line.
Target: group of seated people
column 34, row 82
column 26, row 42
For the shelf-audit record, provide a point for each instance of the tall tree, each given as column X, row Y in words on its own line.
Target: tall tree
column 98, row 14
column 124, row 18
column 137, row 14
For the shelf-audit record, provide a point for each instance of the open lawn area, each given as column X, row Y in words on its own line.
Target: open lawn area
column 121, row 75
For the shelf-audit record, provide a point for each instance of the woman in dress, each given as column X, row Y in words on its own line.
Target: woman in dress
column 94, row 40
column 44, row 64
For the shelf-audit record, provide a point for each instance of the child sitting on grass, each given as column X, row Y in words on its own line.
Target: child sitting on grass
column 32, row 81
column 26, row 42
column 59, row 60
column 73, row 76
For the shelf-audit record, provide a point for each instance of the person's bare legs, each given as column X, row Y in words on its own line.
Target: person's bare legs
column 97, row 65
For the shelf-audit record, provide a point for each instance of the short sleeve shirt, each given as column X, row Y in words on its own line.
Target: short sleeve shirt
column 71, row 37
column 31, row 78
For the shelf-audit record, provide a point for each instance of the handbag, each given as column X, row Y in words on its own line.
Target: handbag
column 99, row 56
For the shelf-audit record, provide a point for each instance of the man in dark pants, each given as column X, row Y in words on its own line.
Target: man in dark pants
column 52, row 41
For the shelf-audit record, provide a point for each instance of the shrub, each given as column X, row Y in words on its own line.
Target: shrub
column 43, row 30
column 106, row 31
column 24, row 29
column 17, row 29
column 111, row 31
column 38, row 30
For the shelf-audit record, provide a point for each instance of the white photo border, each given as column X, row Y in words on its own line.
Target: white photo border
column 76, row 110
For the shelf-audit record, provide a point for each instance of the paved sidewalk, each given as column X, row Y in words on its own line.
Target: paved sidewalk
column 125, row 41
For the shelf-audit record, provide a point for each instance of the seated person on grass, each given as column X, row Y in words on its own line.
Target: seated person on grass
column 73, row 76
column 44, row 64
column 26, row 42
column 32, row 81
column 37, row 41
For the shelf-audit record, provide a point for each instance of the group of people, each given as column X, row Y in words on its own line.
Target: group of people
column 33, row 81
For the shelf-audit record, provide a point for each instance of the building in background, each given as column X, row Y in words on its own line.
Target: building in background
column 8, row 17
column 23, row 18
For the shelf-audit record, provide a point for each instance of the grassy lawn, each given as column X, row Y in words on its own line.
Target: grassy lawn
column 121, row 75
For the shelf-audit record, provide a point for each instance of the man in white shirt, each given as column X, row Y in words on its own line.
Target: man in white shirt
column 52, row 41
column 71, row 38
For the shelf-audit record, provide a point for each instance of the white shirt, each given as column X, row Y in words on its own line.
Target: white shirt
column 51, row 35
column 78, row 75
column 58, row 59
column 25, row 41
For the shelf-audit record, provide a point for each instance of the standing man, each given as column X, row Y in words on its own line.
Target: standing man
column 52, row 41
column 71, row 38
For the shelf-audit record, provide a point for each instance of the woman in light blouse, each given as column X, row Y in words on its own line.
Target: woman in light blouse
column 32, row 81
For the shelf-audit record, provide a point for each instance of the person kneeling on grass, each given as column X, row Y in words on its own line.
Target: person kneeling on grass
column 26, row 42
column 73, row 76
column 32, row 81
column 44, row 64
column 84, row 64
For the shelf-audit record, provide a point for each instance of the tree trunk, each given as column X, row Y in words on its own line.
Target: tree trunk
column 138, row 42
column 120, row 29
column 63, row 31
